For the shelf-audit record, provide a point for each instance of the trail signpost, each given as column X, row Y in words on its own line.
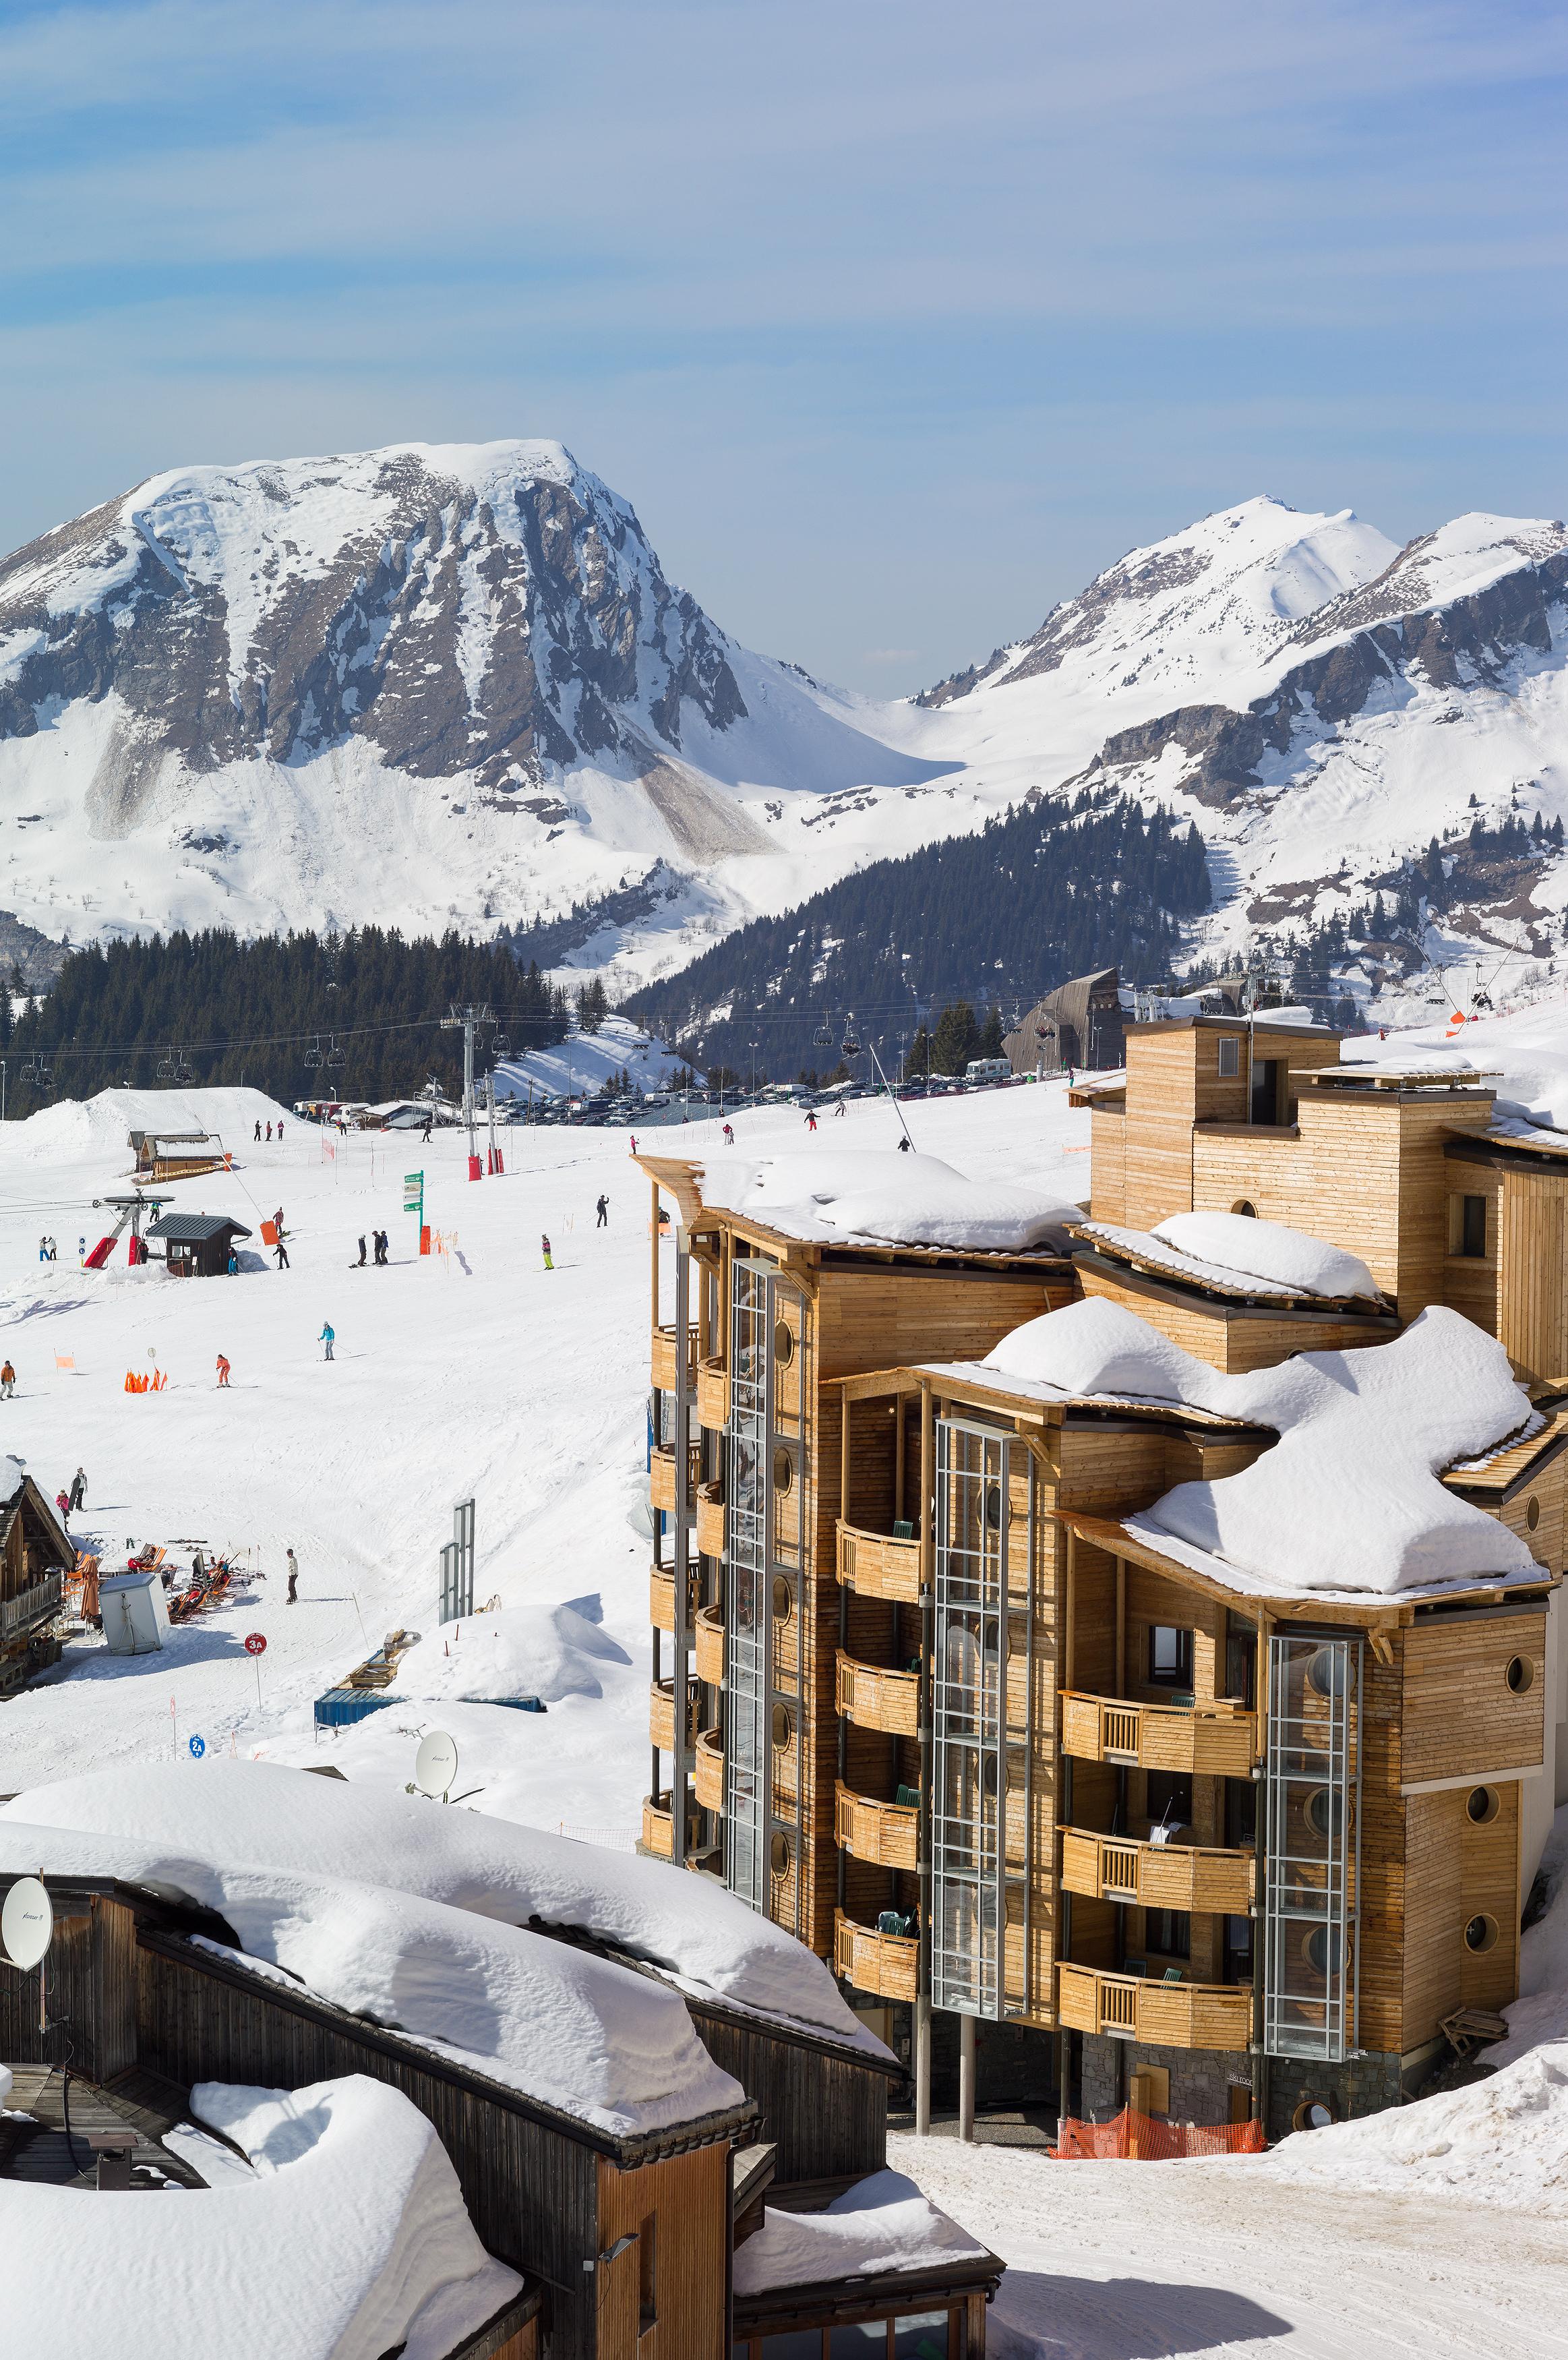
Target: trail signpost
column 255, row 1647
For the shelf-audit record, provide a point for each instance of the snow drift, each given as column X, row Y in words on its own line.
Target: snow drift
column 836, row 1193
column 882, row 2224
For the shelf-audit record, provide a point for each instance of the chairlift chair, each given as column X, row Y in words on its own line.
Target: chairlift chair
column 822, row 1037
column 336, row 1056
column 850, row 1045
column 500, row 1047
column 313, row 1053
column 182, row 1072
column 165, row 1067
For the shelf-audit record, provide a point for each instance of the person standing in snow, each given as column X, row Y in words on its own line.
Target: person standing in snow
column 838, row 1109
column 634, row 1142
column 78, row 1491
column 548, row 1262
column 327, row 1337
column 269, row 1134
column 359, row 1264
column 43, row 1249
column 63, row 1502
column 7, row 1381
column 811, row 1120
column 258, row 1126
column 292, row 1598
column 280, row 1249
column 604, row 1210
column 222, row 1374
column 729, row 1134
column 905, row 1146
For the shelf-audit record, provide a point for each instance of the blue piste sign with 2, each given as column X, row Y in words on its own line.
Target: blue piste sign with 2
column 198, row 1747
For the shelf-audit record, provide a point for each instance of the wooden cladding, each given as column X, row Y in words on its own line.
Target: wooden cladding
column 662, row 1596
column 709, row 1635
column 662, row 2296
column 873, row 1698
column 1168, row 2015
column 1474, row 1697
column 882, row 1964
column 1533, row 1312
column 663, row 1357
column 661, row 1714
column 886, row 1834
column 658, row 1828
column 875, row 1565
column 1158, row 1876
column 712, row 1395
column 711, row 1518
column 661, row 1478
column 708, row 1773
column 1217, row 1740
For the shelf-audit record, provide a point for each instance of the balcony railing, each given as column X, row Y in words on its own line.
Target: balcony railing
column 710, row 1646
column 661, row 1714
column 875, row 1699
column 1158, row 1876
column 658, row 1826
column 884, row 1964
column 662, row 1596
column 1168, row 2014
column 707, row 1775
column 1219, row 1739
column 34, row 1604
column 712, row 1395
column 884, row 1833
column 711, row 1518
column 875, row 1565
column 661, row 1478
column 664, row 1357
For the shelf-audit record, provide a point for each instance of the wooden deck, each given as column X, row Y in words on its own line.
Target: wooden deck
column 875, row 1565
column 874, row 1698
column 1169, row 2015
column 1218, row 1741
column 1158, row 1876
column 883, row 1964
column 886, row 1834
column 33, row 2142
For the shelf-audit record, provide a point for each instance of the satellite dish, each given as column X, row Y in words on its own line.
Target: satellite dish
column 26, row 1923
column 435, row 1765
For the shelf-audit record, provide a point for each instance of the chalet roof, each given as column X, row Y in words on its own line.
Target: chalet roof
column 874, row 1200
column 991, row 1388
column 1390, row 1081
column 1147, row 1251
column 1499, row 1472
column 195, row 1228
column 1259, row 1023
column 25, row 1492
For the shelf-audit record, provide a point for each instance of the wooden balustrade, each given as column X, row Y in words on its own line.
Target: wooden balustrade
column 875, row 1565
column 662, row 1596
column 661, row 1714
column 710, row 1646
column 1171, row 2015
column 884, row 1964
column 1158, row 1876
column 1218, row 1740
column 708, row 1776
column 883, row 1833
column 663, row 1357
column 711, row 1518
column 712, row 1395
column 874, row 1698
column 661, row 1478
column 658, row 1826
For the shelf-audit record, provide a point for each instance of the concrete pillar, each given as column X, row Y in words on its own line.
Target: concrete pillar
column 966, row 2028
column 923, row 2067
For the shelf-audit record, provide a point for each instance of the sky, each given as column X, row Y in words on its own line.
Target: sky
column 895, row 320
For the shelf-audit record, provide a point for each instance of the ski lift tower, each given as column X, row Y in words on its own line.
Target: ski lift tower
column 470, row 1019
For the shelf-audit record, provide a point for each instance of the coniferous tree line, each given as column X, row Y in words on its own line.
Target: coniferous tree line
column 1066, row 885
column 220, row 1011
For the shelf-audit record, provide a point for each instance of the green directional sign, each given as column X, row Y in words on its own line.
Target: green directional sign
column 414, row 1193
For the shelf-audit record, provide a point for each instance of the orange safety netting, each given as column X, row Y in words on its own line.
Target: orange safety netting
column 1145, row 2139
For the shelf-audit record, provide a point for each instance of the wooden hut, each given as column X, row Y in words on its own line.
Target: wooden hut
column 197, row 1245
column 177, row 1154
column 35, row 1557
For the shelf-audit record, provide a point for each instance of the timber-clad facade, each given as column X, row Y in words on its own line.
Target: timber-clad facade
column 1222, row 1854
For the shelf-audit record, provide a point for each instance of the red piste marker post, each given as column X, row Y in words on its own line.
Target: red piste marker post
column 256, row 1645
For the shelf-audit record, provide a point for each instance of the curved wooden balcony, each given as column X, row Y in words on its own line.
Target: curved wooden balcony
column 662, row 1596
column 1173, row 2016
column 711, row 1517
column 884, row 1964
column 875, row 1565
column 1218, row 1740
column 663, row 1357
column 873, row 1698
column 658, row 1826
column 661, row 1714
column 712, row 1395
column 1158, row 1876
column 710, row 1646
column 708, row 1776
column 883, row 1833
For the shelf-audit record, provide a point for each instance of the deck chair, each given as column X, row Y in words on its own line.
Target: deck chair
column 903, row 1530
column 1172, row 1976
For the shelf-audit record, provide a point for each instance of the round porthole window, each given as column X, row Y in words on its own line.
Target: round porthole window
column 1480, row 1933
column 783, row 1727
column 1312, row 2114
column 1321, row 1949
column 1531, row 1513
column 1324, row 1811
column 1519, row 1674
column 783, row 1470
column 778, row 1855
column 782, row 1600
column 1482, row 1806
column 1249, row 1212
column 994, row 1506
column 783, row 1345
column 1327, row 1672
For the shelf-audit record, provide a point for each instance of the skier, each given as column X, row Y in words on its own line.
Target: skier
column 838, row 1109
column 269, row 1134
column 52, row 1253
column 62, row 1503
column 281, row 1250
column 359, row 1264
column 327, row 1337
column 634, row 1142
column 293, row 1578
column 548, row 1262
column 222, row 1374
column 604, row 1210
column 729, row 1134
column 379, row 1241
column 43, row 1249
column 78, row 1491
column 811, row 1121
column 425, row 1134
column 905, row 1146
column 7, row 1381
column 258, row 1126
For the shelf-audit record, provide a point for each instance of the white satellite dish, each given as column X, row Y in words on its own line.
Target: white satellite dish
column 26, row 1923
column 435, row 1765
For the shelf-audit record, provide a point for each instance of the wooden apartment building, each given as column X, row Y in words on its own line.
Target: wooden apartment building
column 1124, row 1828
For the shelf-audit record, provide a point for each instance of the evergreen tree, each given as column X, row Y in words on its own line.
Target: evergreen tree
column 953, row 1042
column 919, row 1059
column 990, row 1041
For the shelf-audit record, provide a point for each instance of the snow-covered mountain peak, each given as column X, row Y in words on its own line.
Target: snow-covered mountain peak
column 1458, row 561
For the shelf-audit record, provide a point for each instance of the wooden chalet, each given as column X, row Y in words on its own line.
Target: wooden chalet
column 998, row 1758
column 197, row 1245
column 177, row 1154
column 35, row 1557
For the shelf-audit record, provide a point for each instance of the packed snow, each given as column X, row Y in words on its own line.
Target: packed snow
column 835, row 1195
column 346, row 2239
column 1347, row 1500
column 1268, row 1250
column 881, row 2224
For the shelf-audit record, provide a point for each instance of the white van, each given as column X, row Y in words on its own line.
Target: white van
column 987, row 1069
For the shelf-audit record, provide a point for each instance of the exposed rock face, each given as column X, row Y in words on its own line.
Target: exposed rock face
column 487, row 618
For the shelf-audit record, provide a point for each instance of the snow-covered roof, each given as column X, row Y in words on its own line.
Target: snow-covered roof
column 839, row 1195
column 343, row 2237
column 427, row 1885
column 1348, row 1501
column 881, row 2225
column 1230, row 1253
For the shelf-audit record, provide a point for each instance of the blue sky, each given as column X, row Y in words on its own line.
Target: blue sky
column 896, row 322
